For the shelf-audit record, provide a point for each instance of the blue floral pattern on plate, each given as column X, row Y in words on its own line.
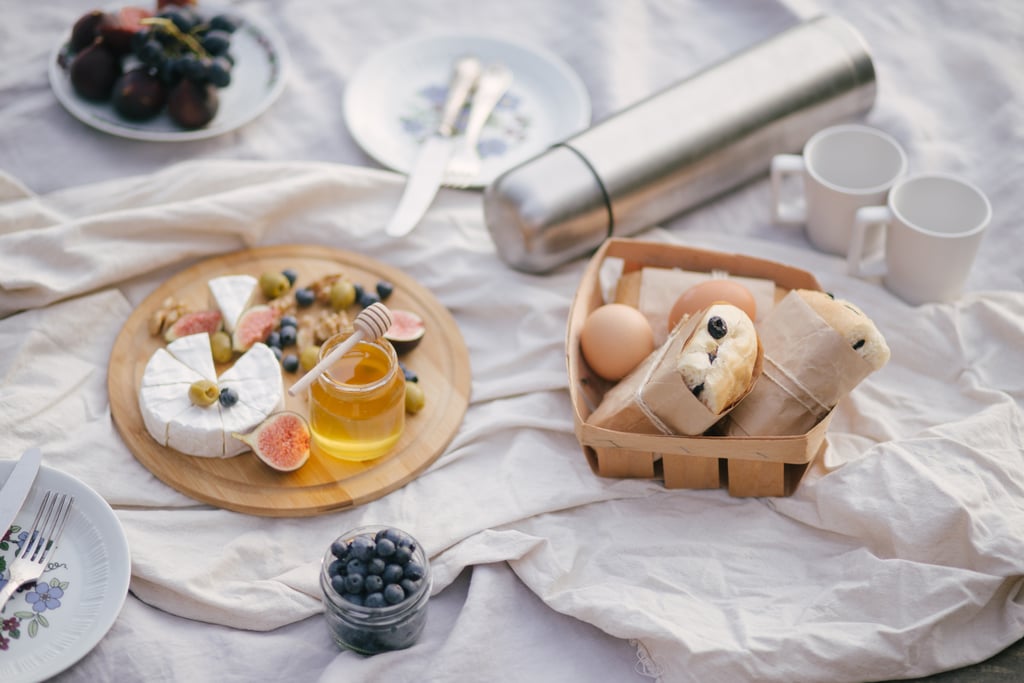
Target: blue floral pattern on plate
column 506, row 128
column 43, row 596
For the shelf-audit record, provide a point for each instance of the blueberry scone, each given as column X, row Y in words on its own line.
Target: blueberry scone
column 717, row 361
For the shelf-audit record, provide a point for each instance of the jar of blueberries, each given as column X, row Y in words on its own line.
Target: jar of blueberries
column 375, row 582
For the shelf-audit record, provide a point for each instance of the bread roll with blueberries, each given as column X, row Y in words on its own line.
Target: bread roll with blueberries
column 717, row 362
column 851, row 322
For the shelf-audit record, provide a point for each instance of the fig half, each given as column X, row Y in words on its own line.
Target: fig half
column 281, row 441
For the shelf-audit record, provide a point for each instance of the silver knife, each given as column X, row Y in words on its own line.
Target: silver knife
column 15, row 489
column 428, row 171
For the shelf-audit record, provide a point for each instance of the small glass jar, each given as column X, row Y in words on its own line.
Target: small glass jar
column 357, row 406
column 369, row 629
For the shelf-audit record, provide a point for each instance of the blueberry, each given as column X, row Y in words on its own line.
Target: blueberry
column 717, row 327
column 409, row 586
column 338, row 584
column 290, row 362
column 410, row 376
column 394, row 535
column 393, row 573
column 354, row 583
column 273, row 340
column 384, row 289
column 228, row 397
column 355, row 566
column 305, row 297
column 403, row 554
column 414, row 571
column 354, row 598
column 289, row 321
column 359, row 290
column 277, row 353
column 376, row 566
column 362, row 548
column 373, row 583
column 335, row 568
column 394, row 594
column 288, row 334
column 385, row 548
column 366, row 299
column 697, row 389
column 374, row 600
column 339, row 548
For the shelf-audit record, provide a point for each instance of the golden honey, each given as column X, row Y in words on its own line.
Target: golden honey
column 357, row 406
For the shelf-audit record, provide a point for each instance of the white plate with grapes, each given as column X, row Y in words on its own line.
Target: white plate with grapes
column 175, row 75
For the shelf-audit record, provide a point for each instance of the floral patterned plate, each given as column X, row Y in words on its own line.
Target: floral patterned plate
column 393, row 101
column 48, row 626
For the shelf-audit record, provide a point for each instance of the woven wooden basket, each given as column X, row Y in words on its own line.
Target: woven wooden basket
column 747, row 466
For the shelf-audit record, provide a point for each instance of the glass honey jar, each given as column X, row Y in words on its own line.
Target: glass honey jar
column 357, row 405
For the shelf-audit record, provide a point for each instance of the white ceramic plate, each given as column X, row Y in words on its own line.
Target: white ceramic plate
column 79, row 595
column 257, row 79
column 394, row 100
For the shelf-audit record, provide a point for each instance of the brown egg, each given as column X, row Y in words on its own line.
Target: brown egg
column 702, row 295
column 614, row 339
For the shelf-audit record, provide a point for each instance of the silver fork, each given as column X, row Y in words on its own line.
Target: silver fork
column 464, row 166
column 32, row 556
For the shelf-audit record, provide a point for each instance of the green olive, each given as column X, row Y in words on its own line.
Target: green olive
column 343, row 295
column 203, row 392
column 309, row 357
column 274, row 284
column 414, row 398
column 220, row 345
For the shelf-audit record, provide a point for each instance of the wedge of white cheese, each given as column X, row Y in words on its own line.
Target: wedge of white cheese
column 173, row 420
column 233, row 294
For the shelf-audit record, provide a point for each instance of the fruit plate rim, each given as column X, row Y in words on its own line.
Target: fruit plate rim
column 261, row 38
column 322, row 485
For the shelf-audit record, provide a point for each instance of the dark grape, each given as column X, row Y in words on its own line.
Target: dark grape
column 216, row 42
column 222, row 22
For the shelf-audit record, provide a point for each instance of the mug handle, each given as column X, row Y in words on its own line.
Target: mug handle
column 867, row 218
column 786, row 213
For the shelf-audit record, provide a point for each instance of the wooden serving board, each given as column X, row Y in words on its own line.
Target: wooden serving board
column 244, row 483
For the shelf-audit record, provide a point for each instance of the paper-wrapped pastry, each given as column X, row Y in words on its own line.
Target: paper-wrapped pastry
column 708, row 363
column 816, row 350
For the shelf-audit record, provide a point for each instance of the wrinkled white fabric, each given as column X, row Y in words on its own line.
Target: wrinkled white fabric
column 900, row 555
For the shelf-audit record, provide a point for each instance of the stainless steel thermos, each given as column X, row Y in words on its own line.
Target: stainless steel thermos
column 688, row 143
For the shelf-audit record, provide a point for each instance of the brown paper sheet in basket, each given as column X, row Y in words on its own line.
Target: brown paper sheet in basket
column 808, row 368
column 654, row 399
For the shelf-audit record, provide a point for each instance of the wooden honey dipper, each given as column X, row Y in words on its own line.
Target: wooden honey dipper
column 371, row 323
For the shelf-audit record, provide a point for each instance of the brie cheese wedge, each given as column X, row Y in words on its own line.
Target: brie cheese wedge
column 173, row 420
column 232, row 294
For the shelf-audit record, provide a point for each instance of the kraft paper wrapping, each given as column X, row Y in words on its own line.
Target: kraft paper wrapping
column 808, row 367
column 654, row 399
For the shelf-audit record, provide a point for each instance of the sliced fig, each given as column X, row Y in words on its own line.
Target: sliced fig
column 194, row 323
column 406, row 330
column 118, row 27
column 281, row 441
column 253, row 326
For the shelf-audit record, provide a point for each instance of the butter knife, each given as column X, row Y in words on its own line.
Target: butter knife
column 428, row 171
column 15, row 489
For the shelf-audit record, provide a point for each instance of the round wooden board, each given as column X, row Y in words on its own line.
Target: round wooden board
column 244, row 483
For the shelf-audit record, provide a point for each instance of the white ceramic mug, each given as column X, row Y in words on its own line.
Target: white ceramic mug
column 843, row 168
column 933, row 225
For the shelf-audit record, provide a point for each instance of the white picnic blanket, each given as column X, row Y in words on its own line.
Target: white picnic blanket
column 904, row 543
column 902, row 553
